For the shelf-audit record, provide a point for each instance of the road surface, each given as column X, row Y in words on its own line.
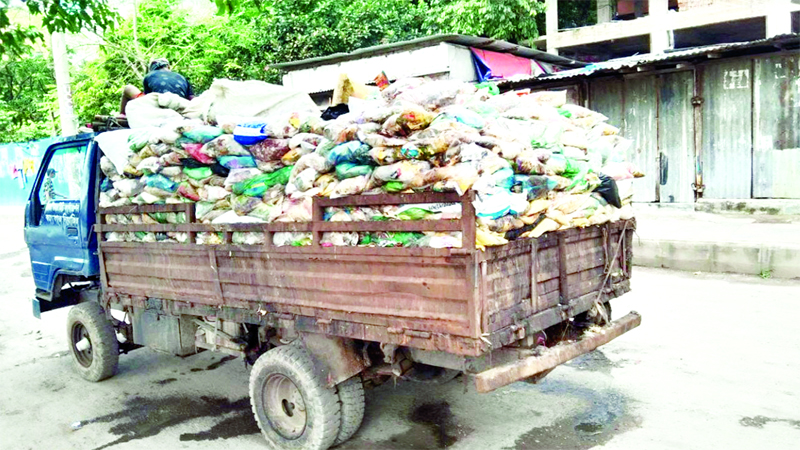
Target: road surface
column 714, row 365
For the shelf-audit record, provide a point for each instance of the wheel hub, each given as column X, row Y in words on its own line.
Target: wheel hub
column 82, row 344
column 284, row 406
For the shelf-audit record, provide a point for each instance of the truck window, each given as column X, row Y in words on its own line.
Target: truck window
column 64, row 177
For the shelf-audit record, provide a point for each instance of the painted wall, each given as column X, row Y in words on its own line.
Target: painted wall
column 19, row 163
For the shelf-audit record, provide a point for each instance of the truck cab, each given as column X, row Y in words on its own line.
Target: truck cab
column 59, row 221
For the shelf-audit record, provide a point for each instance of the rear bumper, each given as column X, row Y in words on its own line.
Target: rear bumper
column 500, row 376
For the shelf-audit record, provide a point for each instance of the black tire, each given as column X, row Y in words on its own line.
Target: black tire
column 299, row 414
column 99, row 361
column 351, row 399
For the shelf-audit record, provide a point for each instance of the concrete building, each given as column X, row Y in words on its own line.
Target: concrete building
column 448, row 56
column 712, row 124
column 628, row 27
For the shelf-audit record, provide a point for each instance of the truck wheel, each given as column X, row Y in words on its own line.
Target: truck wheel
column 293, row 407
column 351, row 398
column 92, row 342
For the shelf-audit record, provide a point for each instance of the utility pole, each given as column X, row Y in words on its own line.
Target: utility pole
column 61, row 68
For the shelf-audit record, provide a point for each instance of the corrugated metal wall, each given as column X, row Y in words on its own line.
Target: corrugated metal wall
column 776, row 127
column 749, row 127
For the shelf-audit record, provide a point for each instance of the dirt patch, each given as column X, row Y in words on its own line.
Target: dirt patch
column 146, row 417
column 214, row 365
column 165, row 381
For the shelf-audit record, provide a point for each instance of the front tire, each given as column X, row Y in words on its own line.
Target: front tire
column 293, row 407
column 92, row 342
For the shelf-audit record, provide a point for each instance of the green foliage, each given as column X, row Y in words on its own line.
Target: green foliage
column 574, row 14
column 56, row 15
column 26, row 109
column 513, row 20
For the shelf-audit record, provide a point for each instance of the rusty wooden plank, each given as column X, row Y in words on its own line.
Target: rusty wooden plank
column 390, row 199
column 212, row 261
column 468, row 222
column 139, row 209
column 190, row 218
column 496, row 377
column 563, row 284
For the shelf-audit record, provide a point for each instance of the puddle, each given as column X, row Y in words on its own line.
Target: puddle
column 433, row 426
column 607, row 415
column 760, row 421
column 146, row 417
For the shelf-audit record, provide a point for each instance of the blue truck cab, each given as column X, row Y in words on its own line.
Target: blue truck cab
column 59, row 221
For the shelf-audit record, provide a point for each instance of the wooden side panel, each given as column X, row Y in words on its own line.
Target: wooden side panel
column 727, row 144
column 776, row 127
column 586, row 252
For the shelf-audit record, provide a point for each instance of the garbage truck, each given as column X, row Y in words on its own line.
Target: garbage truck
column 318, row 323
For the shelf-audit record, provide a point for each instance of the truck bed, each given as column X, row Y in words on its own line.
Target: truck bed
column 462, row 300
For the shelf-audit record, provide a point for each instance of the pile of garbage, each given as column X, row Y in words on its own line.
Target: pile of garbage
column 535, row 162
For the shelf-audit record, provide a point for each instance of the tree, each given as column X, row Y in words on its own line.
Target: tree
column 512, row 20
column 26, row 98
column 56, row 15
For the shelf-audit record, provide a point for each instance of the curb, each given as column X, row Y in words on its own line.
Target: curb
column 719, row 257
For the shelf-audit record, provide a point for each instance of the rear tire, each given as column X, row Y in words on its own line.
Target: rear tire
column 292, row 405
column 92, row 342
column 351, row 398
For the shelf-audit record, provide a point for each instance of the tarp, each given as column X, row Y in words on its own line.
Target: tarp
column 491, row 65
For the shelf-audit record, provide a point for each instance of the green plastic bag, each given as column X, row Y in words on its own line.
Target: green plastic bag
column 415, row 214
column 394, row 186
column 198, row 173
column 489, row 86
column 257, row 186
column 347, row 170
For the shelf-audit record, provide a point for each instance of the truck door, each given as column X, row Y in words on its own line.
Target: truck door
column 60, row 213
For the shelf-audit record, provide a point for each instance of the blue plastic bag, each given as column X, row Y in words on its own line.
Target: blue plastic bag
column 250, row 133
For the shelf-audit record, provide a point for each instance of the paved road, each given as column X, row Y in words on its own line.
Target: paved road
column 714, row 365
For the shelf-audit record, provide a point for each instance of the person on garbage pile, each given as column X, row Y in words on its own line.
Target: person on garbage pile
column 49, row 190
column 160, row 79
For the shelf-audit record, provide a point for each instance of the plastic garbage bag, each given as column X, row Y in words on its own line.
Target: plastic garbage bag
column 351, row 186
column 197, row 173
column 128, row 187
column 224, row 145
column 161, row 182
column 237, row 162
column 294, row 239
column 186, row 190
column 608, row 190
column 314, row 161
column 353, row 152
column 270, row 149
column 250, row 133
column 195, row 152
column 257, row 186
column 149, row 165
column 202, row 134
column 267, row 213
column 243, row 204
column 346, row 170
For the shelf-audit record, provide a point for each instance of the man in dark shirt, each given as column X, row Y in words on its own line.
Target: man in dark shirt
column 160, row 79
